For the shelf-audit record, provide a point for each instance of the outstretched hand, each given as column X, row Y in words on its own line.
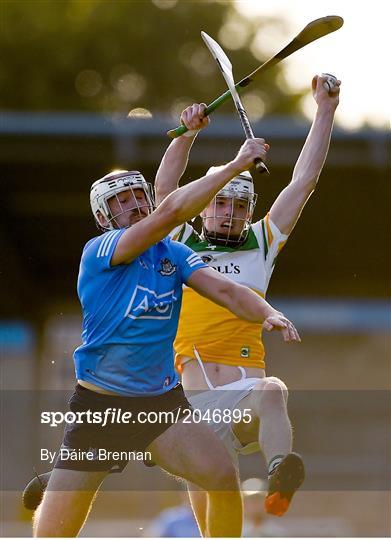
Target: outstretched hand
column 282, row 324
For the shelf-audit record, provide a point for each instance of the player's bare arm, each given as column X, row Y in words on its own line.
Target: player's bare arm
column 241, row 301
column 176, row 157
column 182, row 205
column 289, row 204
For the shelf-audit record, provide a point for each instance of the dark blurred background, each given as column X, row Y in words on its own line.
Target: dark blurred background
column 89, row 86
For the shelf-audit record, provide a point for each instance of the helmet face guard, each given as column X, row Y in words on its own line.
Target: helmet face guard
column 110, row 186
column 242, row 201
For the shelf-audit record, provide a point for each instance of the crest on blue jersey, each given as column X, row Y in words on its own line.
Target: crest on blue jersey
column 167, row 268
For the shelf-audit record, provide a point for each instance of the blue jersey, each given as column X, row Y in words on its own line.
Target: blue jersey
column 130, row 315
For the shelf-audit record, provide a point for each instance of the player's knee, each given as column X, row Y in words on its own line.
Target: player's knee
column 274, row 395
column 222, row 477
column 225, row 478
column 282, row 385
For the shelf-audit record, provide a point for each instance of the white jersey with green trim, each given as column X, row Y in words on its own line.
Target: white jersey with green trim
column 250, row 264
column 218, row 335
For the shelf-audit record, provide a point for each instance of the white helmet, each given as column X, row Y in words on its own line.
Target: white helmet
column 240, row 187
column 112, row 184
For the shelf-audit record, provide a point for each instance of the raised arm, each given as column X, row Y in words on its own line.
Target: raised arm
column 287, row 208
column 241, row 301
column 183, row 204
column 175, row 159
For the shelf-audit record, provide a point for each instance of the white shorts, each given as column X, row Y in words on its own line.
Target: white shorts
column 226, row 397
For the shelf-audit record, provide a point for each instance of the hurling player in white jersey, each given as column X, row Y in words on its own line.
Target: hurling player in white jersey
column 215, row 350
column 130, row 288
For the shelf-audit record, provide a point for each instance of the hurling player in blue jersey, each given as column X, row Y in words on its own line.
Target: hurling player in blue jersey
column 130, row 287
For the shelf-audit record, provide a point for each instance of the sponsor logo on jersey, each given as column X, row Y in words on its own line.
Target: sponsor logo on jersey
column 167, row 268
column 147, row 304
column 245, row 352
column 228, row 268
